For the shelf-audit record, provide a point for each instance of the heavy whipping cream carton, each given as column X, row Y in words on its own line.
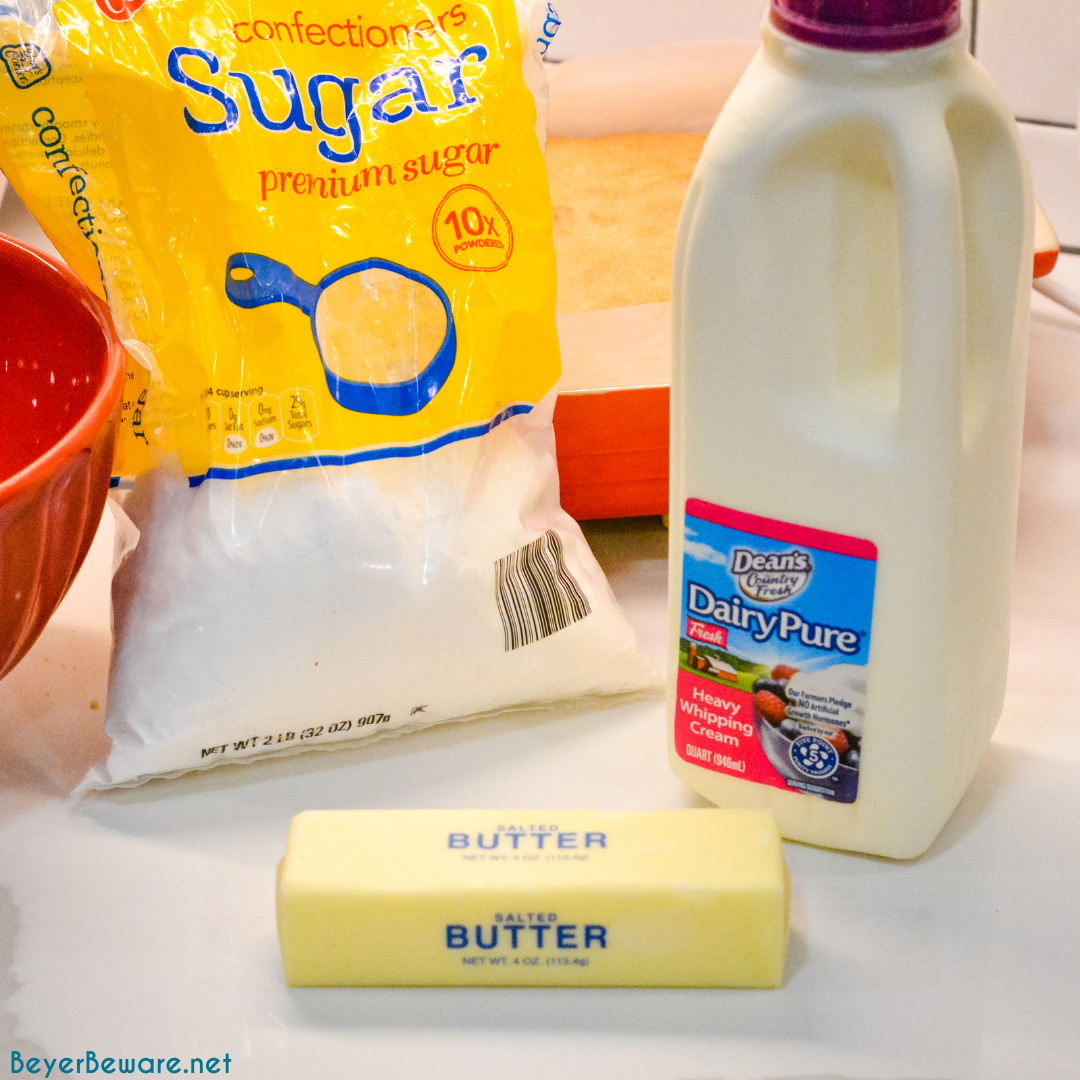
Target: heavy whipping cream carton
column 850, row 301
column 774, row 639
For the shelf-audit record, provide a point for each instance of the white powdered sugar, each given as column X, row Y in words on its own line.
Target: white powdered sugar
column 299, row 608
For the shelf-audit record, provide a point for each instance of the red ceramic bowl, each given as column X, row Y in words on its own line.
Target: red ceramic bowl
column 61, row 376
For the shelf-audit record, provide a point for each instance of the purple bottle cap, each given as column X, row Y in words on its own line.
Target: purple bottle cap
column 866, row 25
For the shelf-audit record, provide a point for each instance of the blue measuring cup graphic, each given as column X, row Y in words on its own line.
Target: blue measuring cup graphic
column 385, row 333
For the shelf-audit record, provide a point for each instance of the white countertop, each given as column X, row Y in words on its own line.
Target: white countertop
column 141, row 923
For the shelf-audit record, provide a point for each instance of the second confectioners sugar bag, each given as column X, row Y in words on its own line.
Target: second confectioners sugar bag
column 325, row 234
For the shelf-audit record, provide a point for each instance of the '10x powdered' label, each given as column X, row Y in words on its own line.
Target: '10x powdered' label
column 773, row 645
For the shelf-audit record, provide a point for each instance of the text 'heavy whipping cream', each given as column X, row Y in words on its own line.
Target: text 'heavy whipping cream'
column 850, row 325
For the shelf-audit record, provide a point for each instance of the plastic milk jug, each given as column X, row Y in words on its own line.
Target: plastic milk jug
column 852, row 279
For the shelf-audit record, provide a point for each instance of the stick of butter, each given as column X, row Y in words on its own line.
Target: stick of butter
column 533, row 898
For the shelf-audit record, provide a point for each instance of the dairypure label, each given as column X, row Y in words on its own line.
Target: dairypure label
column 773, row 645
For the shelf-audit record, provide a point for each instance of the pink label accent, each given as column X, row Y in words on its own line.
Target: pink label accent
column 712, row 635
column 783, row 531
column 714, row 728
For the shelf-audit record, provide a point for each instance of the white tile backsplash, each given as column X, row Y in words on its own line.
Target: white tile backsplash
column 596, row 26
column 16, row 220
column 1053, row 389
column 600, row 26
column 1030, row 47
column 1055, row 172
column 1032, row 50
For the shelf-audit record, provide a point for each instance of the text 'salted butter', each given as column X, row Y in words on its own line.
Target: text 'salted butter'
column 533, row 898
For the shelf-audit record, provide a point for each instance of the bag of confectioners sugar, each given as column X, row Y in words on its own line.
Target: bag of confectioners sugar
column 326, row 238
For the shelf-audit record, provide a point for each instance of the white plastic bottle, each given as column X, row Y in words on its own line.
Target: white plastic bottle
column 852, row 279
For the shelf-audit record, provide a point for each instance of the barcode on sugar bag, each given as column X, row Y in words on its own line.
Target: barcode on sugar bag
column 537, row 595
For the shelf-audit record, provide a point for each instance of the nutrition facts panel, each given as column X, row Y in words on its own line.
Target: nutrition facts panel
column 260, row 422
